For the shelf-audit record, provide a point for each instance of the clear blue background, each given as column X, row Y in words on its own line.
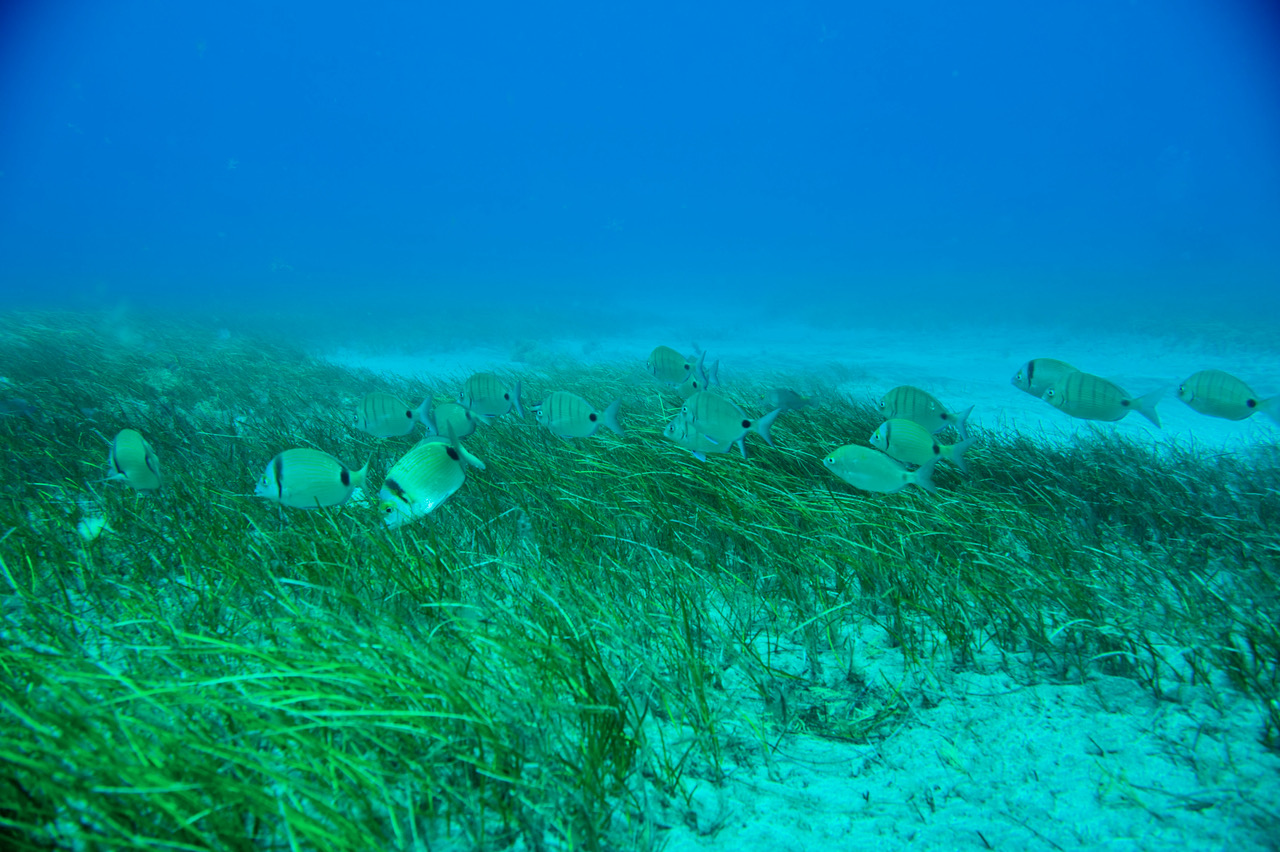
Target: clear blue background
column 405, row 156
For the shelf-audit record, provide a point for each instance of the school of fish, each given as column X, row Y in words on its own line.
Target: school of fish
column 904, row 450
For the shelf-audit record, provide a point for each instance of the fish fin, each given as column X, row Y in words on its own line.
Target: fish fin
column 469, row 457
column 711, row 439
column 465, row 457
column 742, row 445
column 700, row 371
column 516, row 400
column 713, row 376
column 958, row 451
column 1271, row 407
column 423, row 415
column 611, row 416
column 153, row 463
column 1146, row 405
column 699, row 455
column 357, row 476
column 764, row 424
column 962, row 420
column 923, row 477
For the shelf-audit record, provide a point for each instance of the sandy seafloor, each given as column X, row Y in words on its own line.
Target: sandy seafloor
column 983, row 761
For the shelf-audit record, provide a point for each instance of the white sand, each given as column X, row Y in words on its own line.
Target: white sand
column 979, row 762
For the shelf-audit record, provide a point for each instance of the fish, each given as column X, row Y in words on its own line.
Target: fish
column 671, row 368
column 872, row 470
column 711, row 378
column 1039, row 374
column 683, row 432
column 17, row 407
column 451, row 415
column 1091, row 397
column 690, row 386
column 424, row 478
column 132, row 461
column 1220, row 394
column 787, row 400
column 912, row 403
column 486, row 395
column 567, row 415
column 708, row 423
column 908, row 441
column 304, row 478
column 384, row 415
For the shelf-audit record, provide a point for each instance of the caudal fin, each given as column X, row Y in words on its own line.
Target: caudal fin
column 1271, row 407
column 465, row 456
column 516, row 399
column 611, row 417
column 764, row 424
column 357, row 476
column 1146, row 405
column 957, row 453
column 423, row 415
column 962, row 421
column 923, row 476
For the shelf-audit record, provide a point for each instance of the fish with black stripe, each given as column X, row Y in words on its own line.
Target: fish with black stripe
column 307, row 479
column 424, row 478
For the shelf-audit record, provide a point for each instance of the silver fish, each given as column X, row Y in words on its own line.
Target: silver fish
column 872, row 470
column 1219, row 394
column 424, row 478
column 132, row 461
column 385, row 415
column 307, row 479
column 912, row 403
column 486, row 395
column 568, row 415
column 1039, row 374
column 708, row 423
column 908, row 441
column 1091, row 397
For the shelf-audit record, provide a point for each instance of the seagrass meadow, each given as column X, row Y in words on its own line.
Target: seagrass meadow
column 579, row 641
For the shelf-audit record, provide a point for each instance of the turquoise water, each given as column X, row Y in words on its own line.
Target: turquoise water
column 836, row 198
column 813, row 160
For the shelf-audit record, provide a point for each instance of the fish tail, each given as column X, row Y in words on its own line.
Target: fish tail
column 1272, row 408
column 1146, row 405
column 516, row 398
column 357, row 476
column 699, row 371
column 611, row 416
column 712, row 377
column 428, row 419
column 962, row 422
column 924, row 476
column 958, row 451
column 764, row 424
column 464, row 455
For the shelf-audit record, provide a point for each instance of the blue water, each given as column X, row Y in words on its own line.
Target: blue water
column 815, row 158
